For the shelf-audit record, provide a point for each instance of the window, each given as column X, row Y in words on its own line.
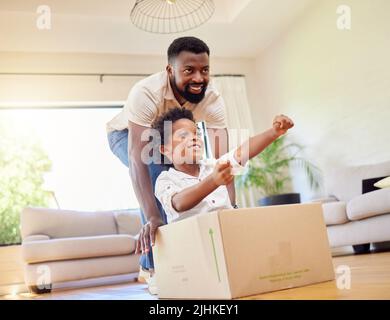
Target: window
column 84, row 174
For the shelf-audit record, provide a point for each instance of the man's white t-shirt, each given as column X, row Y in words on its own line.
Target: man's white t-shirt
column 153, row 96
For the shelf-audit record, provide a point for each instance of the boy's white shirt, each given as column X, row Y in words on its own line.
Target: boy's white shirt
column 173, row 181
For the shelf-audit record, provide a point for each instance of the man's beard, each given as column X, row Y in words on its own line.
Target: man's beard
column 186, row 94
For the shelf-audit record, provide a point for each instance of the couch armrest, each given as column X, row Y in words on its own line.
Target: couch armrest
column 324, row 200
column 334, row 213
column 36, row 237
column 369, row 204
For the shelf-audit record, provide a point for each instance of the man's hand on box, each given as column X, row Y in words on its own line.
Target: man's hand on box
column 147, row 235
column 281, row 124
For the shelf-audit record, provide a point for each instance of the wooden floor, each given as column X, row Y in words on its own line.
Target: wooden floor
column 370, row 279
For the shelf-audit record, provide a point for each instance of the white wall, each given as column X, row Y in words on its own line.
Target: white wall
column 48, row 88
column 334, row 84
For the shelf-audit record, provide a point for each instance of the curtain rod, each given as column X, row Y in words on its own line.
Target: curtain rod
column 100, row 75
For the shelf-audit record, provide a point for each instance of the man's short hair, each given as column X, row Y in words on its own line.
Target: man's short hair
column 190, row 44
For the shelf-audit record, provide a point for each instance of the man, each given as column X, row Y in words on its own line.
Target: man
column 185, row 83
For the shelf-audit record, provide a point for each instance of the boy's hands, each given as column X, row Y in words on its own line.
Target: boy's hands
column 281, row 124
column 222, row 174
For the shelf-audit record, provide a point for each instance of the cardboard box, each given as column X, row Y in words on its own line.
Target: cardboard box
column 240, row 252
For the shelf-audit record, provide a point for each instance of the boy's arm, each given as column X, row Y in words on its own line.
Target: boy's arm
column 254, row 145
column 191, row 196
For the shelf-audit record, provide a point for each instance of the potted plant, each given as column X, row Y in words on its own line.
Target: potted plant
column 269, row 173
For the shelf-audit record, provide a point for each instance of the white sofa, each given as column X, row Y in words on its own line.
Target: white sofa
column 61, row 245
column 354, row 218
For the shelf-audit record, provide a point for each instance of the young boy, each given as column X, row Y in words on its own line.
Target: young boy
column 193, row 186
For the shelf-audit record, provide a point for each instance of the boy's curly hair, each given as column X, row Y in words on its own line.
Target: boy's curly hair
column 172, row 115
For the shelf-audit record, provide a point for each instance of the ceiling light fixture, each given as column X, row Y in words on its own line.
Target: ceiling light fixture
column 170, row 16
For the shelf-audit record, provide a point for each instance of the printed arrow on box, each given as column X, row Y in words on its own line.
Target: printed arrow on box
column 211, row 232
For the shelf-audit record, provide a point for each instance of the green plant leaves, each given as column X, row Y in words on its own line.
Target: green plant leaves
column 22, row 165
column 269, row 171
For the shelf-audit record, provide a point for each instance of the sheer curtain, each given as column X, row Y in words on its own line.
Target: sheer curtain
column 239, row 120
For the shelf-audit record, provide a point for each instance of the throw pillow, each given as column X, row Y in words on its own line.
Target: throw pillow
column 384, row 183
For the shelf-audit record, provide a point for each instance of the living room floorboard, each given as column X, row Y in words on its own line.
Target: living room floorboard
column 370, row 279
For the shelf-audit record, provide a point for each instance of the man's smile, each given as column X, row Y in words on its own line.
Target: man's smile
column 196, row 88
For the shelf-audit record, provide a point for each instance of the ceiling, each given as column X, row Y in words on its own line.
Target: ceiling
column 239, row 28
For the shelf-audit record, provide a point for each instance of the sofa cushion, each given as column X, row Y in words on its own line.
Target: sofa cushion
column 334, row 212
column 60, row 224
column 384, row 183
column 375, row 229
column 128, row 222
column 369, row 204
column 77, row 248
